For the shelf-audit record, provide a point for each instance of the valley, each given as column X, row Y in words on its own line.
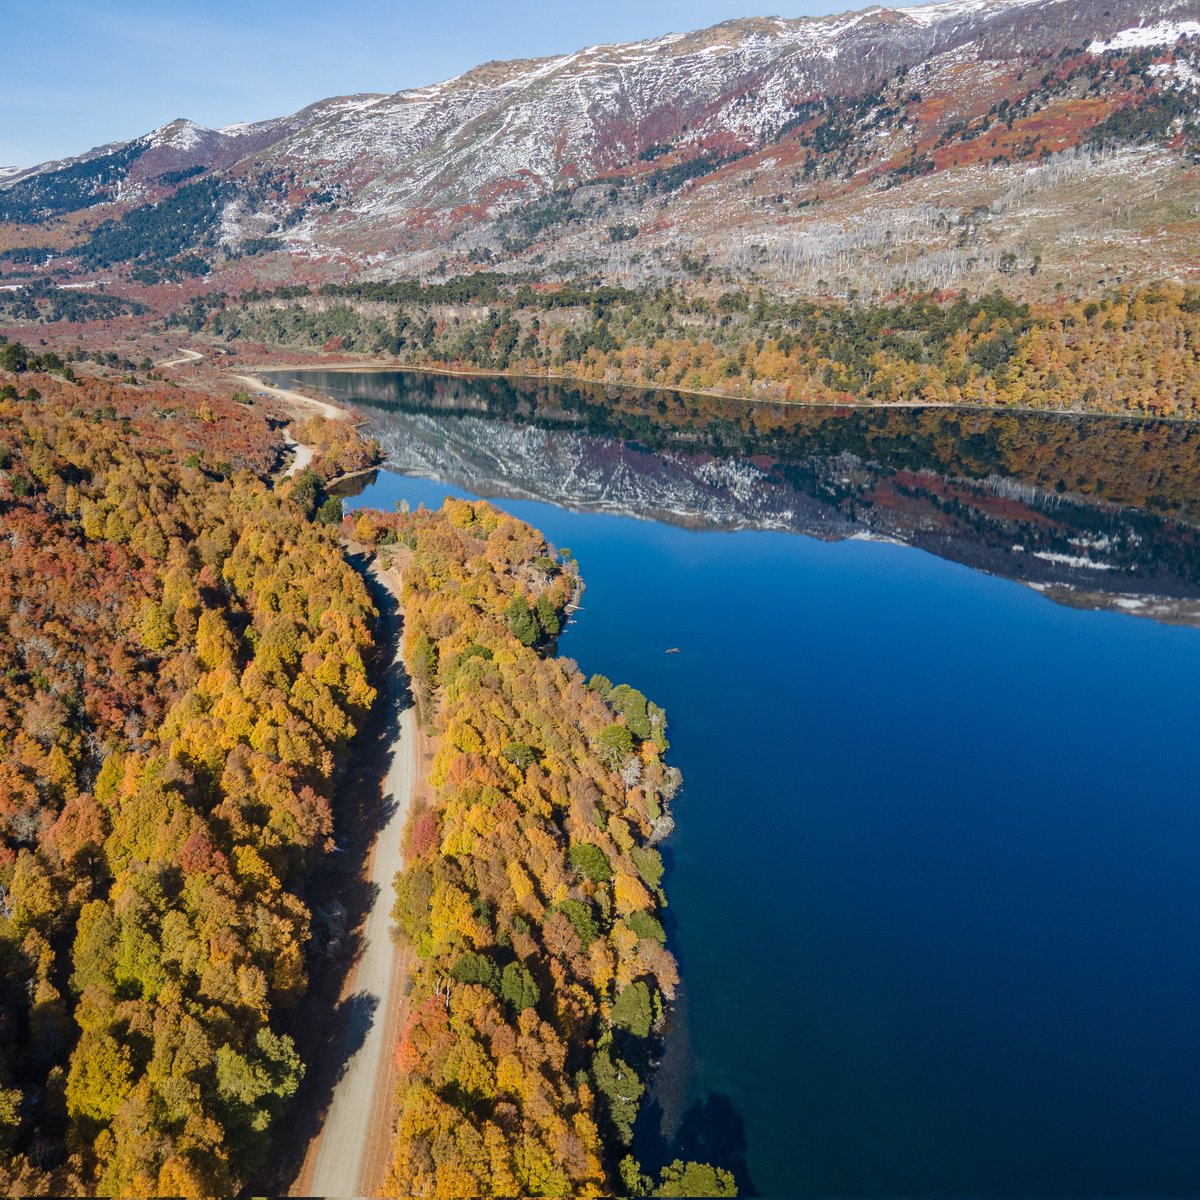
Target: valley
column 621, row 623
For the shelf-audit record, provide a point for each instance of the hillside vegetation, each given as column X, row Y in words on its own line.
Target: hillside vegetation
column 183, row 656
column 532, row 889
column 1126, row 351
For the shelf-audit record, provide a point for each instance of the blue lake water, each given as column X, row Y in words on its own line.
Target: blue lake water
column 933, row 885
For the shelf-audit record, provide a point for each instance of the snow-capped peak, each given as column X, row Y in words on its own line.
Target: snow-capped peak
column 180, row 134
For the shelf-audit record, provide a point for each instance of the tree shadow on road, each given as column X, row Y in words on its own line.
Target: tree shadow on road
column 354, row 1018
column 327, row 1027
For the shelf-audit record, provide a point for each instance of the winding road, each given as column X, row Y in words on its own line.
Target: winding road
column 297, row 402
column 302, row 455
column 331, row 412
column 185, row 356
column 354, row 1141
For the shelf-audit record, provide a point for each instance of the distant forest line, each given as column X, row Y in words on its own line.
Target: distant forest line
column 1126, row 351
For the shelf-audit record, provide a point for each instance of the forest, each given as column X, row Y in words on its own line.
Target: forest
column 44, row 302
column 183, row 654
column 532, row 891
column 338, row 448
column 177, row 225
column 82, row 184
column 1127, row 351
column 185, row 651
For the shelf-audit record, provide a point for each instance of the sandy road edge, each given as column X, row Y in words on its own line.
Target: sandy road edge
column 358, row 1166
column 374, row 1157
column 377, row 1154
column 330, row 411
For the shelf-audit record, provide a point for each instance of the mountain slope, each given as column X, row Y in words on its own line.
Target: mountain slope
column 945, row 144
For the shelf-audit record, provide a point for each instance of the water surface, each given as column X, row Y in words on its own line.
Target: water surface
column 933, row 885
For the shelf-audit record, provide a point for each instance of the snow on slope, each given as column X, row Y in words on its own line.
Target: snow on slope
column 379, row 180
column 506, row 133
column 1162, row 33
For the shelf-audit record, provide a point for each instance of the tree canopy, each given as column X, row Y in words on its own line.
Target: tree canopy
column 183, row 655
column 542, row 974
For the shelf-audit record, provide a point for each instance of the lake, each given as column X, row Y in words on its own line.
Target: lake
column 933, row 885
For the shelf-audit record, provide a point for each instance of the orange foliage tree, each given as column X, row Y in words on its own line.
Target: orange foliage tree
column 531, row 889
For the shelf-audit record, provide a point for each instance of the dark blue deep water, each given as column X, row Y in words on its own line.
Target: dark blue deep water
column 934, row 885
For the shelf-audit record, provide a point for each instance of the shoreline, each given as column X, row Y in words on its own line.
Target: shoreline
column 304, row 454
column 327, row 409
column 375, row 367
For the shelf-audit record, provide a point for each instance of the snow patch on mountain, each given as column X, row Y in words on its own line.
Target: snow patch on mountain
column 1162, row 33
column 936, row 14
column 1178, row 74
column 179, row 135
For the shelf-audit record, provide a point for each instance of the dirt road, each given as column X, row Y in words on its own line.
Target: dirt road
column 302, row 455
column 185, row 356
column 354, row 1129
column 299, row 405
column 331, row 412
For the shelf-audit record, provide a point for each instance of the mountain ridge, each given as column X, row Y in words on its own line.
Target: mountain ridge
column 631, row 159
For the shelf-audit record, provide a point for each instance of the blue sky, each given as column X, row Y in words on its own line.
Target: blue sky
column 79, row 73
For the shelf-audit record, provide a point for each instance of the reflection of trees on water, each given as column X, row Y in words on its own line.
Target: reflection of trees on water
column 1087, row 507
column 710, row 1131
column 1122, row 461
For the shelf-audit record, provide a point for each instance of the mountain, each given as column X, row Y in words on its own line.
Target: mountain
column 948, row 145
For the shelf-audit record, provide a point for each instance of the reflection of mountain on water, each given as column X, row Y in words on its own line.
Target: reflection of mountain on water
column 581, row 471
column 942, row 482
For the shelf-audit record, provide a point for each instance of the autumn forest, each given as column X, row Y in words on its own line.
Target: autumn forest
column 587, row 628
column 187, row 656
column 1129, row 350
